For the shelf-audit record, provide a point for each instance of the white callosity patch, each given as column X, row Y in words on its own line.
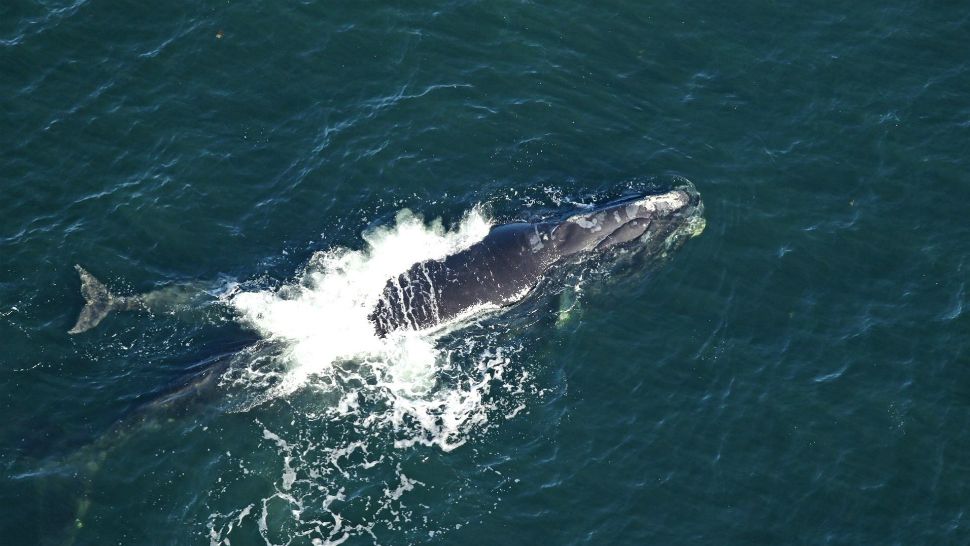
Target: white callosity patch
column 535, row 240
column 592, row 222
column 664, row 202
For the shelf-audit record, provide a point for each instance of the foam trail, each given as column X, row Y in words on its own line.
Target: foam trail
column 365, row 403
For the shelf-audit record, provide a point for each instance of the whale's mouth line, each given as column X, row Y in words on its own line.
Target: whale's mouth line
column 606, row 243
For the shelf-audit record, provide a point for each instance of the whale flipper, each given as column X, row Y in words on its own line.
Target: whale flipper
column 98, row 302
column 569, row 307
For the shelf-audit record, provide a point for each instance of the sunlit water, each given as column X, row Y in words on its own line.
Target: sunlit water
column 795, row 375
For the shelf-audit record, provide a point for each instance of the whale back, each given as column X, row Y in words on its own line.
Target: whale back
column 502, row 268
column 497, row 271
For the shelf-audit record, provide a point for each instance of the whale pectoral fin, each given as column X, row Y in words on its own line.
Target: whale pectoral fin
column 98, row 302
column 569, row 307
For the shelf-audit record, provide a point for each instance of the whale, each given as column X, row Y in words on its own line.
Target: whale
column 496, row 272
column 505, row 266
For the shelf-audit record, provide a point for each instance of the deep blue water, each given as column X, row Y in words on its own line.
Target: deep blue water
column 798, row 374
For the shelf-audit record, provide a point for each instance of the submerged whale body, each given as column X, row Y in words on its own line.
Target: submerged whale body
column 497, row 271
column 502, row 268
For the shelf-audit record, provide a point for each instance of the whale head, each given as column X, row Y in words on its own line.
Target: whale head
column 655, row 224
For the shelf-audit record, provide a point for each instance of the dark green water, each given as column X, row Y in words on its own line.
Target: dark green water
column 799, row 374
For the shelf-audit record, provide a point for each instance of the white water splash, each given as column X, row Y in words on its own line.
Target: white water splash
column 324, row 341
column 322, row 315
column 372, row 401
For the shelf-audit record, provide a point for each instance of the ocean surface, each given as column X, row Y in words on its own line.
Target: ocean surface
column 797, row 374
